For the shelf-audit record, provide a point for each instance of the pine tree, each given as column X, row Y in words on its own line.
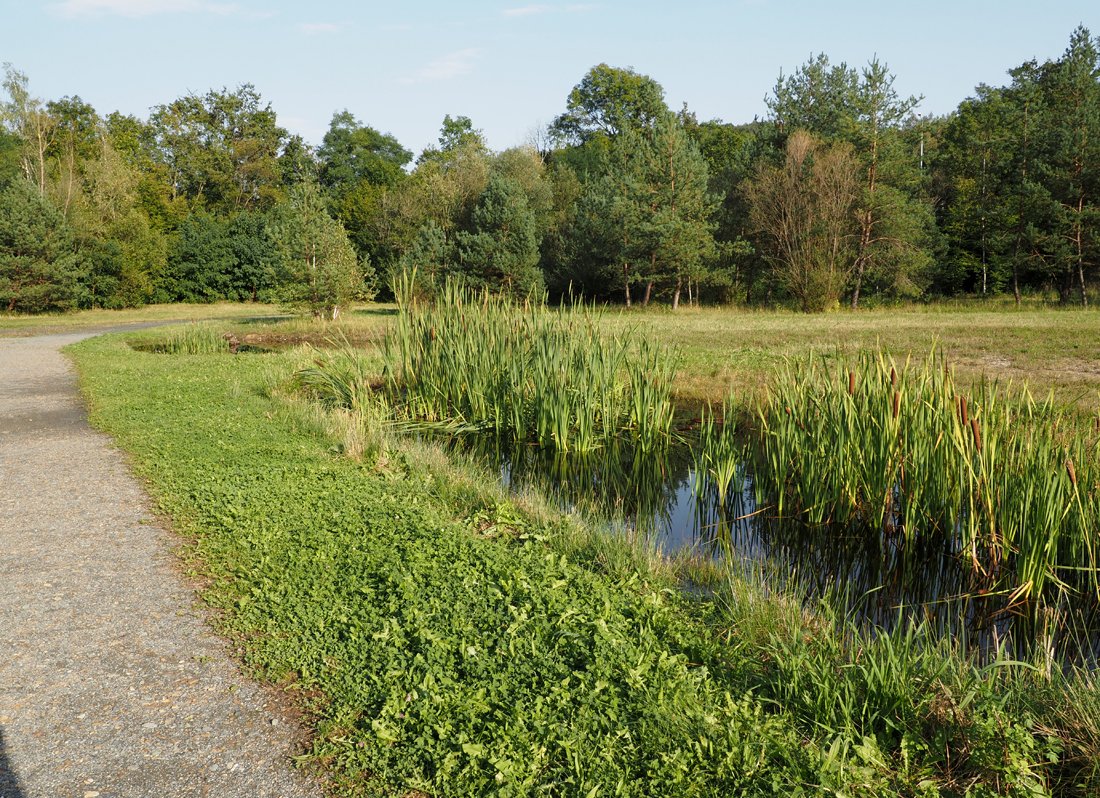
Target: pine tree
column 38, row 268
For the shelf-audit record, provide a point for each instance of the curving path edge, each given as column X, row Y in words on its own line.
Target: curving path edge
column 111, row 683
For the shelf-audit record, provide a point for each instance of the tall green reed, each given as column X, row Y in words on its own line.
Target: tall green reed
column 1014, row 485
column 525, row 371
column 720, row 455
column 194, row 339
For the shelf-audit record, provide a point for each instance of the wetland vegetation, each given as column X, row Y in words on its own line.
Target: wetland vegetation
column 492, row 544
column 453, row 636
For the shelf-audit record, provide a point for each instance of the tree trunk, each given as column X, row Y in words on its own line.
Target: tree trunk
column 676, row 296
column 858, row 280
column 648, row 294
column 1081, row 252
column 626, row 283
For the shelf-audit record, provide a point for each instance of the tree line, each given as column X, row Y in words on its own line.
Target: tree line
column 840, row 194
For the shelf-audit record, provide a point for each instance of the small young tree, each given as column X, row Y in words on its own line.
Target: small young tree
column 428, row 257
column 319, row 269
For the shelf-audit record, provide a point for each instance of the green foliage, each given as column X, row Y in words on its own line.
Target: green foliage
column 429, row 257
column 645, row 218
column 840, row 104
column 999, row 195
column 319, row 269
column 220, row 150
column 1022, row 165
column 212, row 259
column 10, row 149
column 38, row 268
column 802, row 211
column 125, row 256
column 351, row 154
column 440, row 657
column 501, row 251
column 524, row 371
column 609, row 101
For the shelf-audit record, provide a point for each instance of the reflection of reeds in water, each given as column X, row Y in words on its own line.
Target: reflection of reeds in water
column 528, row 372
column 1012, row 485
column 720, row 455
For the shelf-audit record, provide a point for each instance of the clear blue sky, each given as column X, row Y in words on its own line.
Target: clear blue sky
column 508, row 65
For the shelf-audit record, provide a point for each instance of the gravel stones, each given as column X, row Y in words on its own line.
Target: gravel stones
column 111, row 684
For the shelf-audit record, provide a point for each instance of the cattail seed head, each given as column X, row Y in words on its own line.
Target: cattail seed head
column 963, row 411
column 897, row 403
column 977, row 434
column 851, row 383
column 1072, row 472
column 893, row 377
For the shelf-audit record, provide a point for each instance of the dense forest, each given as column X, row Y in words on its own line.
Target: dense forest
column 840, row 194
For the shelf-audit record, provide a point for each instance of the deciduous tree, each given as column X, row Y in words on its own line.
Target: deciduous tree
column 803, row 210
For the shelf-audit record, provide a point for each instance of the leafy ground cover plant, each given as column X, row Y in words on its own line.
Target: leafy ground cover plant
column 448, row 642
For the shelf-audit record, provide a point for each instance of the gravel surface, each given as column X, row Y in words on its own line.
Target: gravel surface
column 111, row 684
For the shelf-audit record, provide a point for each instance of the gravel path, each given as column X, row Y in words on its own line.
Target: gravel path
column 111, row 684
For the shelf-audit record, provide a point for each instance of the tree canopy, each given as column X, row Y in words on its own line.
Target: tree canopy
column 839, row 194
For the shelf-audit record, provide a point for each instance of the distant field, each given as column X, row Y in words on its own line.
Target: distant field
column 11, row 324
column 720, row 348
column 1050, row 349
column 723, row 347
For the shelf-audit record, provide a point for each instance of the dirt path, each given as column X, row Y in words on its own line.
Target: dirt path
column 111, row 685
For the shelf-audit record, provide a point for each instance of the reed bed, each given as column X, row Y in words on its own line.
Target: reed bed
column 1011, row 486
column 476, row 361
column 721, row 455
column 196, row 338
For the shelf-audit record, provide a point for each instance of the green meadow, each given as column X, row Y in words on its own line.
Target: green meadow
column 446, row 636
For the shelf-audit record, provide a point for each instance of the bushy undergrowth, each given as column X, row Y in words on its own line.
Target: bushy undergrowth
column 446, row 643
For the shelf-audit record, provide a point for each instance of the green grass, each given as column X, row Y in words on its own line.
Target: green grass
column 720, row 348
column 447, row 639
column 14, row 324
column 1049, row 348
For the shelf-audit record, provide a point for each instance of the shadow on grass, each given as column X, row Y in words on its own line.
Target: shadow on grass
column 374, row 312
column 263, row 319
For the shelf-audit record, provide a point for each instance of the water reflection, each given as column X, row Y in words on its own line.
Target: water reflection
column 876, row 577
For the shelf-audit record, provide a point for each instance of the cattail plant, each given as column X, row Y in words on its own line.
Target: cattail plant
column 522, row 370
column 1011, row 486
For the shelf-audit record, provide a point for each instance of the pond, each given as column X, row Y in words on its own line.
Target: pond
column 872, row 576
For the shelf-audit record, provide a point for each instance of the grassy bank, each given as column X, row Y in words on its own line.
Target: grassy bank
column 447, row 640
column 1050, row 347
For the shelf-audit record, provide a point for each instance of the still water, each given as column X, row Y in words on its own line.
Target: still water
column 871, row 575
